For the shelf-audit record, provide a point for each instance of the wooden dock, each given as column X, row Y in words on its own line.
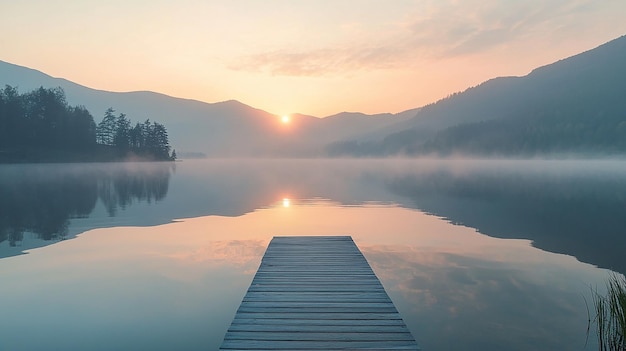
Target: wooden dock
column 316, row 293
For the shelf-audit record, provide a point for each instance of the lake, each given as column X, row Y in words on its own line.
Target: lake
column 476, row 254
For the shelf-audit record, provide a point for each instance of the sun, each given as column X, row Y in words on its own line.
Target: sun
column 285, row 119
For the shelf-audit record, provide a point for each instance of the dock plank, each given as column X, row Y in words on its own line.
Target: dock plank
column 316, row 293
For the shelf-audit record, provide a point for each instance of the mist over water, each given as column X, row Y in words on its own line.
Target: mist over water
column 178, row 245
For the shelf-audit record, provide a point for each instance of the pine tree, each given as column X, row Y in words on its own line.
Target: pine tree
column 105, row 132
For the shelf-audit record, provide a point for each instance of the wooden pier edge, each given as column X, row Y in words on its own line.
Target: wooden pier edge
column 316, row 293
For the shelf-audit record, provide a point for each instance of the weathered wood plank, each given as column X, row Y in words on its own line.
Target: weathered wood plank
column 317, row 345
column 321, row 305
column 317, row 336
column 313, row 280
column 325, row 298
column 320, row 316
column 313, row 299
column 322, row 310
column 351, row 328
column 325, row 289
column 319, row 323
column 316, row 293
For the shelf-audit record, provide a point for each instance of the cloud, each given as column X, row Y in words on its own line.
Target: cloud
column 433, row 30
column 470, row 27
column 320, row 61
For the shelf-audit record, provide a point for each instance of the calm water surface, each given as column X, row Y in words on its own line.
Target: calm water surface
column 491, row 255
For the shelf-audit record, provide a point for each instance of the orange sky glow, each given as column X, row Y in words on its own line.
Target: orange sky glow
column 317, row 57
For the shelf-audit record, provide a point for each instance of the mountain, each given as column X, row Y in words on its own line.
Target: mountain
column 222, row 129
column 573, row 106
column 344, row 125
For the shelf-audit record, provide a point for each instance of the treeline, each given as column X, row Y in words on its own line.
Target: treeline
column 532, row 137
column 145, row 140
column 512, row 137
column 40, row 121
column 40, row 126
column 583, row 120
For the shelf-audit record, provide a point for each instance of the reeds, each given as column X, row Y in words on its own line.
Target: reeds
column 610, row 319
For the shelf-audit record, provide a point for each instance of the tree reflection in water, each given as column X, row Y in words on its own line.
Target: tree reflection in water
column 42, row 199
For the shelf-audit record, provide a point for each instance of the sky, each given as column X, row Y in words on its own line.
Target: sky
column 316, row 57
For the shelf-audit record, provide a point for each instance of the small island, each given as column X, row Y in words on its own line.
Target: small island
column 40, row 126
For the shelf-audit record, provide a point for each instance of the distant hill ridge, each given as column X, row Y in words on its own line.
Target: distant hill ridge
column 223, row 129
column 574, row 106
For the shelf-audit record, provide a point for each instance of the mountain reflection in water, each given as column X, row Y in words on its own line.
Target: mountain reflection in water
column 572, row 207
column 576, row 208
column 137, row 284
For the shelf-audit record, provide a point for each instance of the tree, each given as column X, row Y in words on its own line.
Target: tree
column 46, row 112
column 105, row 133
column 121, row 137
column 136, row 137
column 12, row 119
column 161, row 148
column 82, row 130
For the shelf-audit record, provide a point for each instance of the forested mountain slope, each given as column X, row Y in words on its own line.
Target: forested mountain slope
column 576, row 105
